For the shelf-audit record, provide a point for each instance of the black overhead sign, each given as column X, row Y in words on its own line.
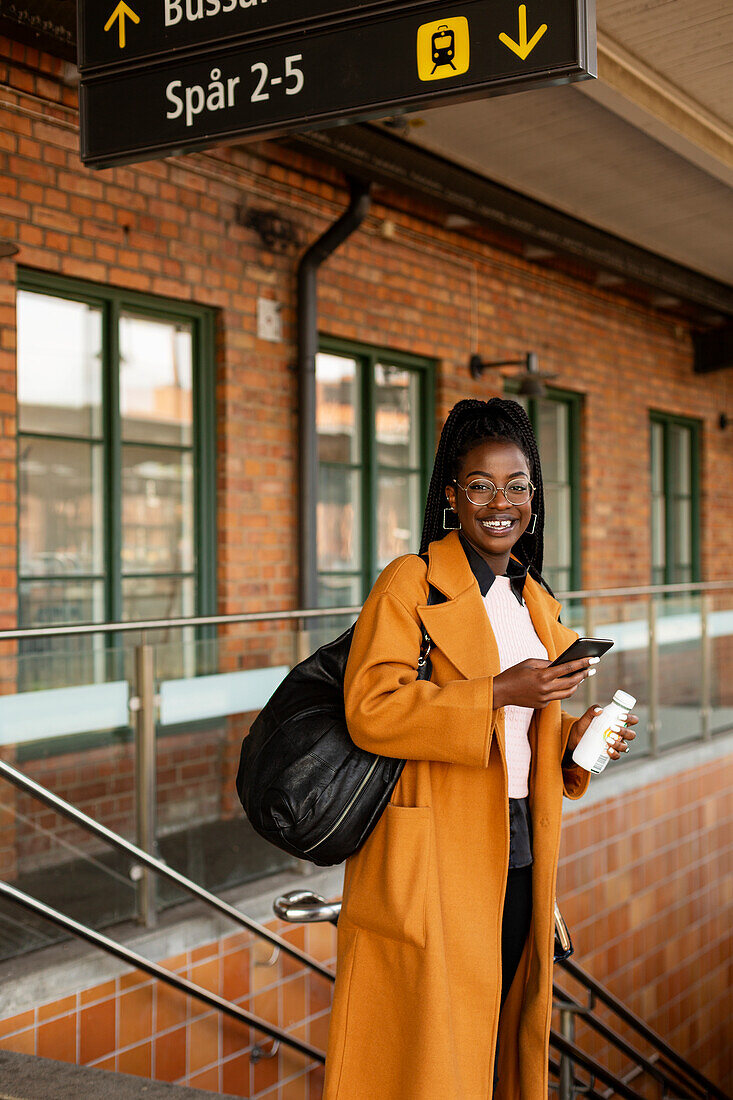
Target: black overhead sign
column 111, row 33
column 400, row 57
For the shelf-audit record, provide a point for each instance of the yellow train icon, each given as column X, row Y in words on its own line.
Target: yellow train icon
column 443, row 48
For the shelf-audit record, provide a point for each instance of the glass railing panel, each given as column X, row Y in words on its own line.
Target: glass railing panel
column 60, row 864
column 64, row 723
column 720, row 651
column 626, row 665
column 679, row 641
column 203, row 717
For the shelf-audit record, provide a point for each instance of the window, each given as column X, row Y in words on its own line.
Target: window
column 375, row 452
column 556, row 422
column 675, row 516
column 115, row 434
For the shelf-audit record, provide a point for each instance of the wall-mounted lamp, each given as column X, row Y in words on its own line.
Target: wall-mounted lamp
column 8, row 248
column 531, row 381
column 276, row 233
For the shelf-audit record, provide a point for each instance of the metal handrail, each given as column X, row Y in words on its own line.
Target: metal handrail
column 648, row 1033
column 157, row 971
column 23, row 783
column 570, row 1050
column 588, row 1092
column 325, row 612
column 651, row 1065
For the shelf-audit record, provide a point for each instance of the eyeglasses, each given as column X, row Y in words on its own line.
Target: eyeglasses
column 518, row 491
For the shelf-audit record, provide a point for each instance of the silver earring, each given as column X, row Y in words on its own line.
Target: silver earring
column 531, row 525
column 447, row 524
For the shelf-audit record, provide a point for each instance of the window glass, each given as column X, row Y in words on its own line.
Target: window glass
column 59, row 365
column 397, row 416
column 657, row 440
column 59, row 662
column 399, row 516
column 339, row 516
column 551, row 418
column 682, row 540
column 372, row 475
column 156, row 362
column 552, row 429
column 156, row 597
column 674, row 507
column 53, row 602
column 337, row 408
column 60, row 505
column 106, row 459
column 157, row 510
column 659, row 556
column 680, row 442
column 558, row 526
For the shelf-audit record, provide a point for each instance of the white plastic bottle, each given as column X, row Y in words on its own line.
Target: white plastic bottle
column 590, row 752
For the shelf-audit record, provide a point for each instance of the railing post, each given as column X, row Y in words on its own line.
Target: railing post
column 653, row 678
column 705, row 668
column 302, row 642
column 588, row 687
column 145, row 780
column 566, row 1090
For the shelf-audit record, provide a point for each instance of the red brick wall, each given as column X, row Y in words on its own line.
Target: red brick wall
column 169, row 227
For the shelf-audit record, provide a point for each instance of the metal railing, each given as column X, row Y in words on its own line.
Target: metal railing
column 675, row 1076
column 132, row 958
column 144, row 700
column 669, row 1069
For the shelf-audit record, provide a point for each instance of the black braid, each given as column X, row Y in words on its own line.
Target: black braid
column 468, row 423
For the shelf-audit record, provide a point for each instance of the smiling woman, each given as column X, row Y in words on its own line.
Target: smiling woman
column 446, row 930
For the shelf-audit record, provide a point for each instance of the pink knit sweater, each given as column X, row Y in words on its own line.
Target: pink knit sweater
column 517, row 640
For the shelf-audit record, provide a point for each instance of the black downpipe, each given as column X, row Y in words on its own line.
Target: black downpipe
column 319, row 251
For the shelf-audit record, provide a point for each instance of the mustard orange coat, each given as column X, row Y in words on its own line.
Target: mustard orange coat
column 418, row 987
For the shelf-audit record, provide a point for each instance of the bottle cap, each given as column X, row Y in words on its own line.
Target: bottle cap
column 624, row 699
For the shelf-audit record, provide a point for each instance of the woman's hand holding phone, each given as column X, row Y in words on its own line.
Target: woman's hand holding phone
column 535, row 683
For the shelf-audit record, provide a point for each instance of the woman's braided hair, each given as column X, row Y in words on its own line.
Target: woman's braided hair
column 470, row 422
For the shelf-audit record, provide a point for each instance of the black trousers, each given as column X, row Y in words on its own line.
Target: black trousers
column 514, row 930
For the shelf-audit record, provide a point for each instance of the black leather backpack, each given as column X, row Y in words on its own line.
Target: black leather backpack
column 304, row 785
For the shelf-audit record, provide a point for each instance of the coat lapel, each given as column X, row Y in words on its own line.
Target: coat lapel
column 459, row 627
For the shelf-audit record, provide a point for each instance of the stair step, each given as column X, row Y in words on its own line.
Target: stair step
column 24, row 1077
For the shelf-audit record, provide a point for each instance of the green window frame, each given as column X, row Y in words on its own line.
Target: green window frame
column 350, row 583
column 110, row 304
column 674, row 453
column 561, row 478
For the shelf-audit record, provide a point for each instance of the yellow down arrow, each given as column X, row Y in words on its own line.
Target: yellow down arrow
column 523, row 48
column 120, row 12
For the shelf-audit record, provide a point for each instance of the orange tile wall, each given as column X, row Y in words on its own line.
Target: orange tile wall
column 645, row 884
column 136, row 1025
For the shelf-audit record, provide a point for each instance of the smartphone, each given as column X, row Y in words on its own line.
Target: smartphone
column 583, row 647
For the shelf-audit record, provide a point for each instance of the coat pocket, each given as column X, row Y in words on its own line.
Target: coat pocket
column 387, row 889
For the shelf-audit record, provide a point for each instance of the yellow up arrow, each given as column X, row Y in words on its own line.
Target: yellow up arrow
column 119, row 13
column 523, row 48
